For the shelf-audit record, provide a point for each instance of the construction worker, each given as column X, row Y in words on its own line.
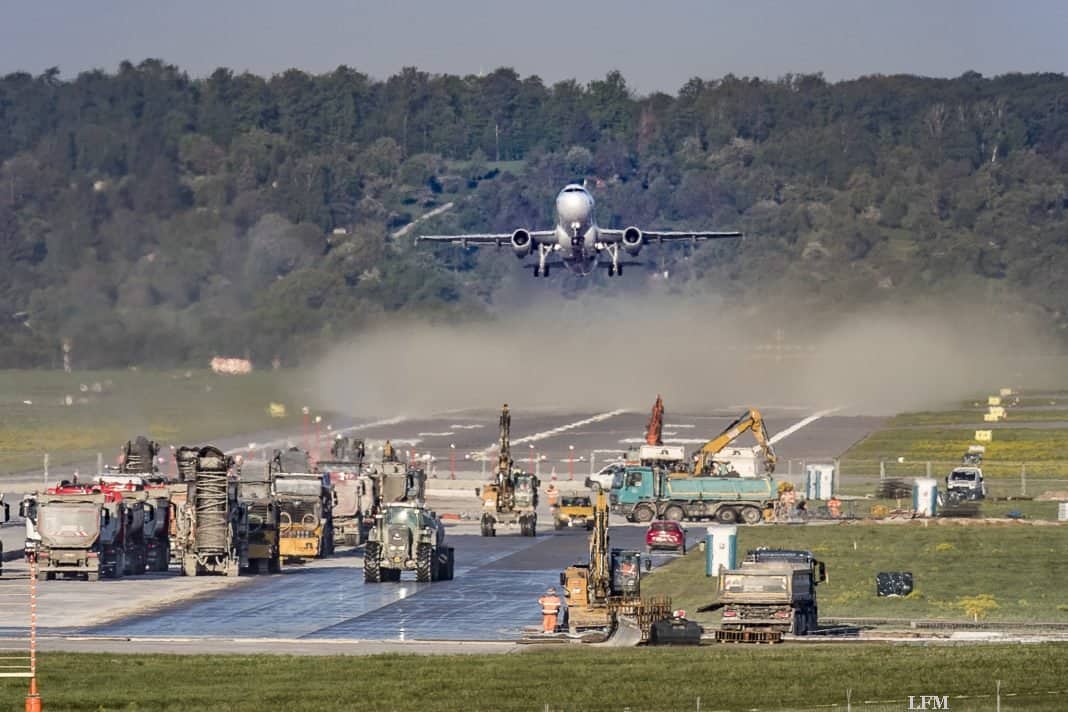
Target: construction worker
column 834, row 506
column 388, row 455
column 553, row 495
column 550, row 607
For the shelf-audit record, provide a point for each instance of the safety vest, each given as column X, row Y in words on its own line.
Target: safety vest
column 553, row 495
column 549, row 604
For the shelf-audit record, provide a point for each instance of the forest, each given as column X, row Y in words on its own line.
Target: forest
column 150, row 218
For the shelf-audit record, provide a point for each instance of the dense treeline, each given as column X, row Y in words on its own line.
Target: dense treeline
column 151, row 218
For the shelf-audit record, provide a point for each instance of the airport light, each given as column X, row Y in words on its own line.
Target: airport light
column 531, row 446
column 452, row 461
column 571, row 462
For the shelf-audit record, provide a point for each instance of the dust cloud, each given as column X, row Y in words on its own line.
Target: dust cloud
column 598, row 354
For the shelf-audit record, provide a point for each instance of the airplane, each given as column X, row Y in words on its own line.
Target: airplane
column 576, row 238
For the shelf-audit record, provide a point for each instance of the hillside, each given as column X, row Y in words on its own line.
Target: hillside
column 155, row 219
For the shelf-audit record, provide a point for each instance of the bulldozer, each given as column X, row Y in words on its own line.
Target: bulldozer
column 605, row 592
column 512, row 498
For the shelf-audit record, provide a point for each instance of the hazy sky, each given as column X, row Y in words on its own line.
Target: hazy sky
column 657, row 46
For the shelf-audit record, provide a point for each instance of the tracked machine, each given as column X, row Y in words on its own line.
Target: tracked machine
column 214, row 521
column 604, row 593
column 512, row 498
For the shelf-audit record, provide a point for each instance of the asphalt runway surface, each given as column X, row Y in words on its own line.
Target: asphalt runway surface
column 497, row 582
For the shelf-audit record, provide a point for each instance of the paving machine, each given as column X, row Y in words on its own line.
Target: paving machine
column 407, row 537
column 305, row 506
column 512, row 498
column 214, row 520
column 605, row 592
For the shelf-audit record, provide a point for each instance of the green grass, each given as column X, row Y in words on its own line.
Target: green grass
column 170, row 406
column 579, row 679
column 1045, row 451
column 1022, row 567
column 974, row 417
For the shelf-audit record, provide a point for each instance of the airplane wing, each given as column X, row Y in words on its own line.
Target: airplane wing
column 480, row 239
column 649, row 236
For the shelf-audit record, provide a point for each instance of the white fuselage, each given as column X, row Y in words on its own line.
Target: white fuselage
column 576, row 229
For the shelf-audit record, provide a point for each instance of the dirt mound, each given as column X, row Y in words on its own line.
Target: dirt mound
column 1053, row 496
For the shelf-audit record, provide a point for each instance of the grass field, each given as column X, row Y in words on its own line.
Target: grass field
column 109, row 407
column 973, row 417
column 1023, row 568
column 577, row 679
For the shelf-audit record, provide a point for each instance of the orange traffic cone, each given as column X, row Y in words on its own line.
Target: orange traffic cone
column 33, row 700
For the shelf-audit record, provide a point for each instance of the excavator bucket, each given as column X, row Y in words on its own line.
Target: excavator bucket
column 627, row 633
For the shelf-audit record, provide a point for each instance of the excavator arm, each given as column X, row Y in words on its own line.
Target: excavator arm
column 751, row 420
column 600, row 574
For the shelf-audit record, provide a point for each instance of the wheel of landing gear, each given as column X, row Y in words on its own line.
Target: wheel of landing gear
column 611, row 270
column 619, row 271
column 537, row 271
column 545, row 272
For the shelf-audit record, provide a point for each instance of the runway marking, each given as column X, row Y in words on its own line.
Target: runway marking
column 562, row 429
column 667, row 441
column 436, row 435
column 340, row 431
column 782, row 435
column 679, row 425
column 472, row 426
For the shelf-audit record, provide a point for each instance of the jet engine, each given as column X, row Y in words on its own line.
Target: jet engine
column 521, row 243
column 632, row 240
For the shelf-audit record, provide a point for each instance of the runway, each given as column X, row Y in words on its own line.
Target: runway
column 498, row 580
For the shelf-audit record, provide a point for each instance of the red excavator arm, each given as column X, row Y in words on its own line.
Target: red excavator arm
column 656, row 424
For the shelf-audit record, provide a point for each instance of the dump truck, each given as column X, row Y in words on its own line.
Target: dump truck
column 261, row 504
column 604, row 592
column 214, row 521
column 79, row 531
column 512, row 498
column 149, row 530
column 649, row 494
column 305, row 506
column 407, row 537
column 772, row 592
column 573, row 512
column 352, row 490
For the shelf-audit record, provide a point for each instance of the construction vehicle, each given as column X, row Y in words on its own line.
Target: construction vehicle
column 772, row 592
column 305, row 506
column 965, row 483
column 573, row 512
column 605, row 591
column 214, row 521
column 512, row 498
column 257, row 495
column 5, row 515
column 649, row 494
column 973, row 457
column 352, row 491
column 79, row 530
column 407, row 537
column 149, row 511
column 186, row 462
column 714, row 459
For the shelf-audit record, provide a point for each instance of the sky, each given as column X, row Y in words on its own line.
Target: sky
column 657, row 46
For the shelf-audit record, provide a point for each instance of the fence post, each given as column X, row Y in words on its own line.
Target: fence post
column 790, row 467
column 46, row 469
column 100, row 463
column 882, row 469
column 927, row 468
column 1023, row 479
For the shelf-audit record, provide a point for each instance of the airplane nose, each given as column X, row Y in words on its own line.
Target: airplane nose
column 572, row 207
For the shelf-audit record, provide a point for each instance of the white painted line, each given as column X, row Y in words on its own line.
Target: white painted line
column 782, row 435
column 341, row 431
column 457, row 426
column 436, row 435
column 562, row 429
column 679, row 425
column 667, row 441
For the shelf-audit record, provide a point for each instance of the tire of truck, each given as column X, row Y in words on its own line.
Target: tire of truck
column 424, row 564
column 557, row 524
column 674, row 513
column 255, row 566
column 486, row 526
column 372, row 569
column 274, row 564
column 450, row 563
column 752, row 515
column 120, row 565
column 643, row 513
column 727, row 515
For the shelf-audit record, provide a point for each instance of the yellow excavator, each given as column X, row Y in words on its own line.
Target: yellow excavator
column 751, row 420
column 604, row 593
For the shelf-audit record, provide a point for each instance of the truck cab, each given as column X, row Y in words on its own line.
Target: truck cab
column 966, row 483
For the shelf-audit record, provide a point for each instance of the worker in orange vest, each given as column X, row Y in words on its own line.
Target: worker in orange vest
column 550, row 607
column 834, row 507
column 553, row 495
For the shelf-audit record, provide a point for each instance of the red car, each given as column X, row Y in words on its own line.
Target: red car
column 666, row 535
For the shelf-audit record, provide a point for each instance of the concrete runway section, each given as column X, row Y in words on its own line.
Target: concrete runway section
column 492, row 597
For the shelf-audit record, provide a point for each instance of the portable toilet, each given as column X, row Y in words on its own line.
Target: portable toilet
column 925, row 496
column 721, row 548
column 819, row 481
